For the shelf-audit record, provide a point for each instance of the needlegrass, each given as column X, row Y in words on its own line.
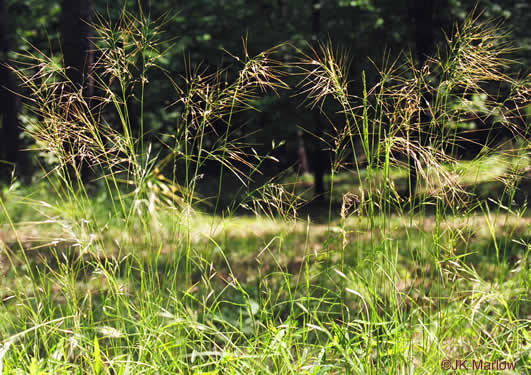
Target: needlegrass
column 405, row 263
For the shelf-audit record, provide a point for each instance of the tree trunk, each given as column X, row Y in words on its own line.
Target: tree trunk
column 421, row 14
column 421, row 17
column 75, row 33
column 77, row 55
column 318, row 158
column 9, row 104
column 301, row 154
column 283, row 5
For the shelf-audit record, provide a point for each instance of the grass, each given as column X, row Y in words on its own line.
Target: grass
column 268, row 297
column 145, row 274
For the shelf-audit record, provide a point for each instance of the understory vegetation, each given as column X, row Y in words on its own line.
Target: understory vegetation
column 173, row 253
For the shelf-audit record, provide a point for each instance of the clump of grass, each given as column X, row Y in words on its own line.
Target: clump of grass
column 142, row 283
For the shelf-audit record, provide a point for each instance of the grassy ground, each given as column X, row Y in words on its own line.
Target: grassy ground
column 388, row 293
